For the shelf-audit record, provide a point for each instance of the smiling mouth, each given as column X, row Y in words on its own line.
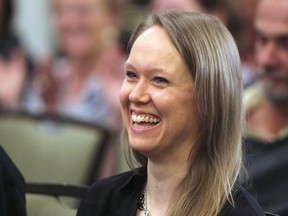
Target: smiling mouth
column 144, row 121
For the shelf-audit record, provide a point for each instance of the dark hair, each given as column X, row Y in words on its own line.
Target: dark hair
column 7, row 13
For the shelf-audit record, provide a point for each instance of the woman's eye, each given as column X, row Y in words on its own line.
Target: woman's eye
column 160, row 80
column 131, row 75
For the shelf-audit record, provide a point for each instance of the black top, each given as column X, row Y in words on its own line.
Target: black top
column 118, row 196
column 12, row 188
column 267, row 165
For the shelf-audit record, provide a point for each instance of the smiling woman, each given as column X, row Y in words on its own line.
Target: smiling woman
column 181, row 105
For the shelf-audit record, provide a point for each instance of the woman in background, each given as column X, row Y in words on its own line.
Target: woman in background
column 84, row 82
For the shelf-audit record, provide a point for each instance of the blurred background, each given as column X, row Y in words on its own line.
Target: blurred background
column 33, row 21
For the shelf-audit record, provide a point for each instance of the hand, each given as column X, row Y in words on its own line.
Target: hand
column 47, row 84
column 12, row 77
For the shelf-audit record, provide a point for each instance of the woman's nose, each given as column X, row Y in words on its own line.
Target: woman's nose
column 140, row 93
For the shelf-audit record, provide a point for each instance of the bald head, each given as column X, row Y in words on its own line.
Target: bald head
column 273, row 13
column 186, row 5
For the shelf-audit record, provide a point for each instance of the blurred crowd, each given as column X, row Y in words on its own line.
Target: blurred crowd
column 83, row 77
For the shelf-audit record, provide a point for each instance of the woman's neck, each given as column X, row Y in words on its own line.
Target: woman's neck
column 83, row 67
column 81, row 70
column 164, row 185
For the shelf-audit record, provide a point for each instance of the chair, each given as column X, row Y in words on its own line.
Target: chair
column 43, row 199
column 53, row 150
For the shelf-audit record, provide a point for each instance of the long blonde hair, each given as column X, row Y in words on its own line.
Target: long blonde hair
column 212, row 57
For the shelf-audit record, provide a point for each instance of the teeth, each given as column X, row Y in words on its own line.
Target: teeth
column 142, row 126
column 138, row 119
column 134, row 118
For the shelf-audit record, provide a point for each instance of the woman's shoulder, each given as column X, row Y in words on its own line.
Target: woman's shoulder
column 114, row 195
column 126, row 184
column 244, row 204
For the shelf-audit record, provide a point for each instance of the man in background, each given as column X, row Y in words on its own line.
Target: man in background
column 267, row 111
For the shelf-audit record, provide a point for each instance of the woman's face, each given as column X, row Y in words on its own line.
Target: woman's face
column 157, row 98
column 79, row 24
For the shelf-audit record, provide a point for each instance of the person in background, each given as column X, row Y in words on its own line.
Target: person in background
column 226, row 10
column 184, row 5
column 14, row 65
column 182, row 115
column 84, row 82
column 267, row 108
